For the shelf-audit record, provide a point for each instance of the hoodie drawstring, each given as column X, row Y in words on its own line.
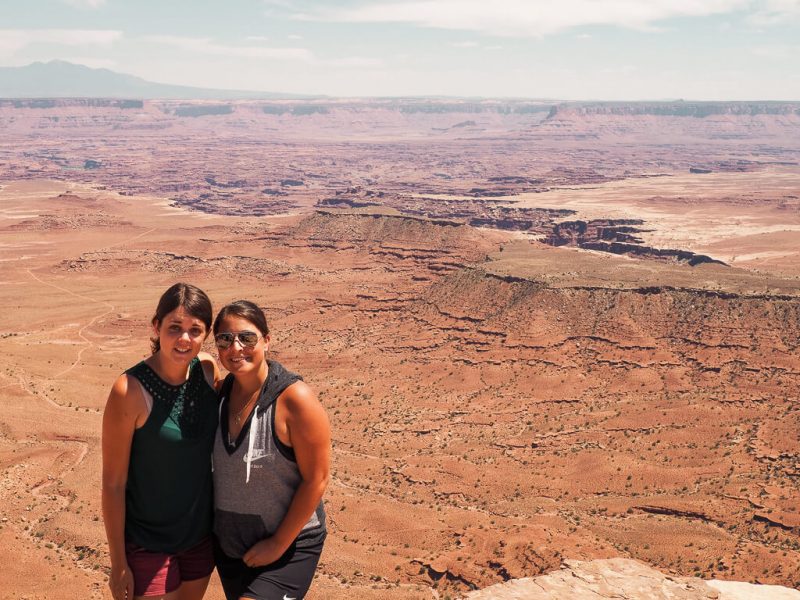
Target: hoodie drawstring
column 251, row 441
column 219, row 420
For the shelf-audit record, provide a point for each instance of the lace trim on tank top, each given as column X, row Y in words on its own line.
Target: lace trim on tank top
column 178, row 401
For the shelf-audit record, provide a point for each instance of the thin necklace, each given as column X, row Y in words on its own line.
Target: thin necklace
column 238, row 415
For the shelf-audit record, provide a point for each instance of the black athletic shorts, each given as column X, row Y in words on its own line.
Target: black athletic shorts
column 288, row 578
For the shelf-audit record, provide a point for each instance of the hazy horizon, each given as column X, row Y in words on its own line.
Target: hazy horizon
column 276, row 94
column 602, row 50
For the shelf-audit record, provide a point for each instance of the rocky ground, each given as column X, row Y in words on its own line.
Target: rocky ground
column 502, row 402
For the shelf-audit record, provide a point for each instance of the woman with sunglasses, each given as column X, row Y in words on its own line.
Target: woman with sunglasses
column 158, row 430
column 271, row 466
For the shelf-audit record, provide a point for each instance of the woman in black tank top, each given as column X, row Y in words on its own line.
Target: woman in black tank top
column 158, row 429
column 271, row 466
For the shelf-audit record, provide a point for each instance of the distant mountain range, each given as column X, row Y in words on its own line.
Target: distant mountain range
column 60, row 79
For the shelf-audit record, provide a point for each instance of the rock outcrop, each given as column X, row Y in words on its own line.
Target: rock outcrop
column 677, row 109
column 624, row 579
column 617, row 236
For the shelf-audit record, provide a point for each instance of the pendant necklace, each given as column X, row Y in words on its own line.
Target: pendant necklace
column 238, row 415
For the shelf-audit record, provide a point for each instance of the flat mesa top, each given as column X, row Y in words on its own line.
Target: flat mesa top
column 571, row 268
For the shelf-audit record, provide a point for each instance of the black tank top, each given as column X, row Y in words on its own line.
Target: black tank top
column 168, row 498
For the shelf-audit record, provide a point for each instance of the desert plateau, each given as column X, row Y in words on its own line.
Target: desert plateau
column 543, row 332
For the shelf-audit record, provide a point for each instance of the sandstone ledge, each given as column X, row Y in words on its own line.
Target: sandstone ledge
column 625, row 579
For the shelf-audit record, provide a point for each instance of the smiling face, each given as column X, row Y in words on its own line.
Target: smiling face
column 180, row 335
column 237, row 358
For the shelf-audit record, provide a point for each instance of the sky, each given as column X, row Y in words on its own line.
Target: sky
column 548, row 49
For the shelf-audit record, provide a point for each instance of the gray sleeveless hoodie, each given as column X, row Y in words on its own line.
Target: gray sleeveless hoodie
column 256, row 477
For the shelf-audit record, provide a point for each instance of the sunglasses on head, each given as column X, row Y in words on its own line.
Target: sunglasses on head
column 247, row 339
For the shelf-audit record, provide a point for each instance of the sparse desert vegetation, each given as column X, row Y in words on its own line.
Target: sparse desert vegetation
column 507, row 389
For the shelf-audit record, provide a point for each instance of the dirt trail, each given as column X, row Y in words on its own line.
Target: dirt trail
column 36, row 490
column 81, row 335
column 110, row 307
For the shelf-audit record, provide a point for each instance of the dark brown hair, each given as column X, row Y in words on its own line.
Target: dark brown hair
column 186, row 296
column 244, row 309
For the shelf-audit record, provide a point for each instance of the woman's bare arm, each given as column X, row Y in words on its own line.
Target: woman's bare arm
column 210, row 369
column 123, row 413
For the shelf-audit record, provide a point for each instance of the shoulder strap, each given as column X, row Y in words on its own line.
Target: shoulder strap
column 157, row 387
column 198, row 372
column 227, row 384
column 145, row 376
column 278, row 379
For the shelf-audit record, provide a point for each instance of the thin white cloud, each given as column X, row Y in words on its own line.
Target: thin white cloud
column 208, row 47
column 278, row 7
column 773, row 12
column 288, row 4
column 85, row 3
column 536, row 18
column 352, row 62
column 778, row 52
column 294, row 36
column 786, row 7
column 90, row 61
column 14, row 40
column 618, row 70
column 464, row 44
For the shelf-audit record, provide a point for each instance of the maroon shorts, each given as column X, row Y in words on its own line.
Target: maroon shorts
column 156, row 574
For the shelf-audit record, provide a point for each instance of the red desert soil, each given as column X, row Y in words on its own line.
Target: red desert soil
column 499, row 405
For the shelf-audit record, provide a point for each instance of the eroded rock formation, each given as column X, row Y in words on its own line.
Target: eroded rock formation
column 622, row 579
